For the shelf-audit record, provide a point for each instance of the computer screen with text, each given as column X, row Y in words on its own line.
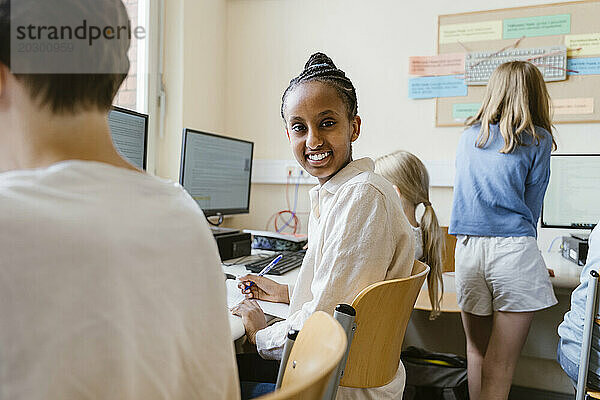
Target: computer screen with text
column 573, row 193
column 216, row 172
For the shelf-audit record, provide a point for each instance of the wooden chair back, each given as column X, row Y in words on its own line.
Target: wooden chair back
column 382, row 313
column 317, row 351
column 449, row 247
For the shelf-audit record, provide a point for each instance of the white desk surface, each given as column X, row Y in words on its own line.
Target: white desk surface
column 235, row 323
column 566, row 273
column 565, row 279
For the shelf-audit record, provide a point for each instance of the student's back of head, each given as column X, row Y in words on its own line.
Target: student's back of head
column 411, row 180
column 110, row 281
column 57, row 68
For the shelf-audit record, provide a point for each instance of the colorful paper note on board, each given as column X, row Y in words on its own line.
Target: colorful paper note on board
column 462, row 111
column 588, row 44
column 436, row 86
column 573, row 106
column 472, row 32
column 584, row 66
column 543, row 25
column 443, row 64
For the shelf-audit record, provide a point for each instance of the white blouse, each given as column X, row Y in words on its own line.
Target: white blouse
column 355, row 239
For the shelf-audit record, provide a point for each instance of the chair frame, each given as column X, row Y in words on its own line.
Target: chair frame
column 345, row 315
column 591, row 310
column 297, row 384
column 374, row 376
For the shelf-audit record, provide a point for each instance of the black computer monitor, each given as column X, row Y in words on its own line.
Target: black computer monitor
column 216, row 172
column 129, row 130
column 573, row 193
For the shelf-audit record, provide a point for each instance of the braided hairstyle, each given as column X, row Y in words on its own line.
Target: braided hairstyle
column 321, row 68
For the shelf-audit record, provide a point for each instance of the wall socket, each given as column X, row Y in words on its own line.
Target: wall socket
column 280, row 172
column 294, row 171
column 441, row 172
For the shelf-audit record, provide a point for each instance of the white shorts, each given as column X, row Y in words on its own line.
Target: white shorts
column 501, row 274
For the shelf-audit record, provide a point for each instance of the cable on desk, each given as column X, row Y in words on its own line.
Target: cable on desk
column 552, row 243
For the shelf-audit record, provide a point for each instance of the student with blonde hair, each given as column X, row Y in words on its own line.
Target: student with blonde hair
column 502, row 172
column 410, row 178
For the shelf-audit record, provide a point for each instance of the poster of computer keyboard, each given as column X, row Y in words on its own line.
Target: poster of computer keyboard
column 561, row 39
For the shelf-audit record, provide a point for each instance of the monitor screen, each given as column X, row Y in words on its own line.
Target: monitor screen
column 129, row 131
column 572, row 197
column 216, row 171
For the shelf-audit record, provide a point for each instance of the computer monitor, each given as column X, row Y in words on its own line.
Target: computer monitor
column 129, row 130
column 572, row 197
column 216, row 171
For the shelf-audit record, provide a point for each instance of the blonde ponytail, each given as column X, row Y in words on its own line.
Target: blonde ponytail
column 433, row 245
column 409, row 175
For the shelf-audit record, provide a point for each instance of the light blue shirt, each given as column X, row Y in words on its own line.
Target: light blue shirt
column 571, row 329
column 497, row 194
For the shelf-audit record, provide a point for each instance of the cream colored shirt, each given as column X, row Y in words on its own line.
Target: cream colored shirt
column 355, row 239
column 110, row 288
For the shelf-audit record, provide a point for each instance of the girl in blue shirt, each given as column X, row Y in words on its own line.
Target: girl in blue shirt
column 502, row 171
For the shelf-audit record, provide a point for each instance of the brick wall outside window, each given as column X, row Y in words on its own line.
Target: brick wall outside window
column 126, row 97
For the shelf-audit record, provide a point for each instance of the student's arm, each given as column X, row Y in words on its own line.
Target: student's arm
column 358, row 247
column 538, row 178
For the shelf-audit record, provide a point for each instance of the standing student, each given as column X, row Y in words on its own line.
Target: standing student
column 110, row 282
column 355, row 235
column 502, row 171
column 410, row 178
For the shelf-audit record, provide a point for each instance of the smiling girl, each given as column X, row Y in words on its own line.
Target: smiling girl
column 355, row 235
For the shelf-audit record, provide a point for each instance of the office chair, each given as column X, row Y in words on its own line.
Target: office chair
column 310, row 357
column 382, row 311
column 591, row 318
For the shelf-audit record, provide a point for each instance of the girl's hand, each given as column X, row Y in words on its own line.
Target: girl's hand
column 264, row 289
column 252, row 316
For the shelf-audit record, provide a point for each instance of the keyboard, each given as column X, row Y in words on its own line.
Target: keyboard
column 290, row 261
column 551, row 61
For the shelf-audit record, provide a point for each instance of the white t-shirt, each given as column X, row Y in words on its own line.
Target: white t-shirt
column 355, row 239
column 418, row 241
column 110, row 288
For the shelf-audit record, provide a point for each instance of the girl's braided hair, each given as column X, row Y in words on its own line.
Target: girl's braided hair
column 321, row 68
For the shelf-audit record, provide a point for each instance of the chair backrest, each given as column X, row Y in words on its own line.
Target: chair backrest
column 449, row 247
column 317, row 351
column 382, row 313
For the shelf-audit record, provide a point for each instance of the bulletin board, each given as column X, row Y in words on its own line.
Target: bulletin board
column 584, row 19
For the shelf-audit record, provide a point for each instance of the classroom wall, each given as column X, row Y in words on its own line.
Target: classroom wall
column 268, row 42
column 194, row 56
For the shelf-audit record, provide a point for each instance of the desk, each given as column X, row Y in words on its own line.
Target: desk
column 449, row 303
column 235, row 322
column 566, row 273
column 446, row 334
column 565, row 279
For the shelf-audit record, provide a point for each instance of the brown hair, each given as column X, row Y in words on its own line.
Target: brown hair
column 68, row 93
column 409, row 175
column 517, row 100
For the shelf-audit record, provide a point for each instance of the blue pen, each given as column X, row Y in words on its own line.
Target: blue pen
column 265, row 270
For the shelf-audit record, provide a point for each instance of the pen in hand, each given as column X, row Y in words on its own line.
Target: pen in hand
column 265, row 270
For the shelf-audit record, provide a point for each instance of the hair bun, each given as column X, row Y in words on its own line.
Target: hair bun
column 320, row 59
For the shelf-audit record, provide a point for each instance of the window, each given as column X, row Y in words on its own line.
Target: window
column 133, row 93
